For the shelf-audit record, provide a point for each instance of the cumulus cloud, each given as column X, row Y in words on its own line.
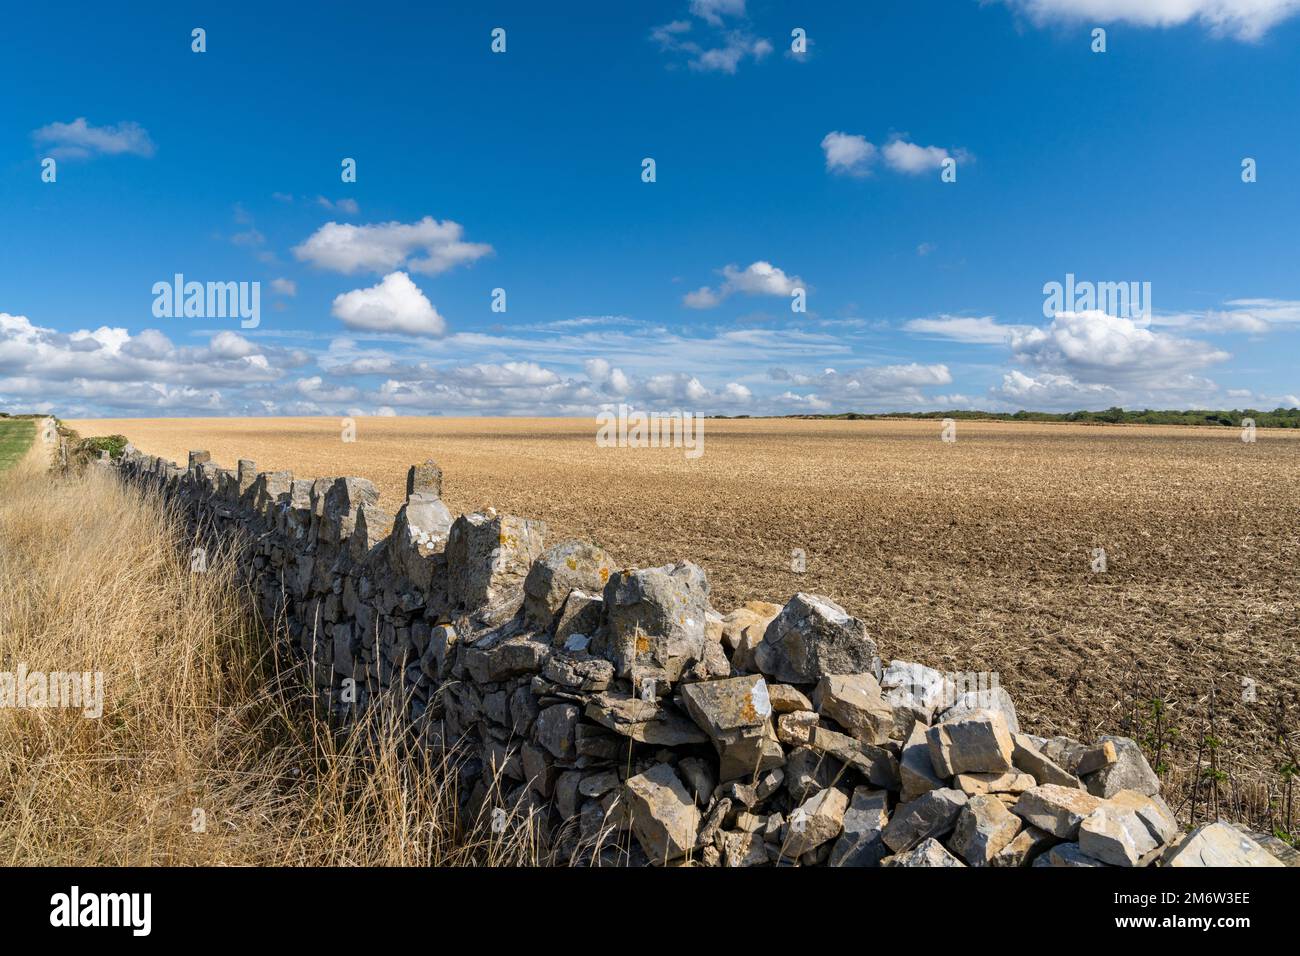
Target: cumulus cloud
column 851, row 154
column 315, row 389
column 904, row 157
column 285, row 287
column 1046, row 390
column 758, row 278
column 1245, row 19
column 427, row 246
column 103, row 370
column 395, row 304
column 848, row 153
column 1092, row 344
column 80, row 140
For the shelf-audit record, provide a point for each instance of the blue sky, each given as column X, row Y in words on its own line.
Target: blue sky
column 522, row 171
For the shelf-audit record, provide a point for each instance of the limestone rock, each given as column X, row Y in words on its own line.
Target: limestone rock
column 512, row 657
column 656, row 619
column 929, row 852
column 743, row 629
column 993, row 698
column 1029, row 758
column 579, row 620
column 1130, row 771
column 1007, row 782
column 818, row 819
column 807, row 771
column 579, row 672
column 975, row 743
column 861, row 843
column 743, row 849
column 1024, row 847
column 1116, row 835
column 933, row 814
column 698, row 777
column 1218, row 844
column 922, row 690
column 555, row 730
column 560, row 569
column 645, row 721
column 786, row 699
column 489, row 555
column 736, row 714
column 877, row 764
column 1154, row 813
column 984, row 828
column 1067, row 855
column 854, row 702
column 424, row 478
column 812, row 637
column 1058, row 810
column 916, row 771
column 665, row 820
column 1096, row 758
column 795, row 729
column 420, row 532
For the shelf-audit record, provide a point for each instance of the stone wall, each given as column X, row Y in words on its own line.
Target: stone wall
column 638, row 723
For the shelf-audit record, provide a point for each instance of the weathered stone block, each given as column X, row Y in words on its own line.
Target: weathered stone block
column 813, row 637
column 655, row 618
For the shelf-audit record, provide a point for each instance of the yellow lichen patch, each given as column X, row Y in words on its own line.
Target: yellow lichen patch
column 573, row 565
column 604, row 575
column 642, row 645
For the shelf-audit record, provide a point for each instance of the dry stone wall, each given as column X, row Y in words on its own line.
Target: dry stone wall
column 639, row 724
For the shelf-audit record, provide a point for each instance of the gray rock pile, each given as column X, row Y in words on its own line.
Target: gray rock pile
column 639, row 724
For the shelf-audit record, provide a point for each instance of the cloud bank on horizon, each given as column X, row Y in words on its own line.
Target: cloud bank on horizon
column 795, row 251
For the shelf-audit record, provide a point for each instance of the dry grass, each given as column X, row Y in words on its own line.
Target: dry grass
column 970, row 556
column 197, row 714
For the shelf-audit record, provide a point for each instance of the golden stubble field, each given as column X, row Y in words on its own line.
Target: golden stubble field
column 974, row 555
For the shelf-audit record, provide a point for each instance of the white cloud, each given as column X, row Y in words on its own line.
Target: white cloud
column 712, row 11
column 1049, row 391
column 848, row 153
column 724, row 49
column 104, row 370
column 286, row 287
column 1253, row 316
column 1101, row 347
column 396, row 304
column 79, row 140
column 982, row 330
column 1245, row 19
column 851, row 154
column 758, row 278
column 904, row 157
column 313, row 388
column 427, row 246
column 348, row 207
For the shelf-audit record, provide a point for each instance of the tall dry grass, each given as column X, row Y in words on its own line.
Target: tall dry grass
column 205, row 754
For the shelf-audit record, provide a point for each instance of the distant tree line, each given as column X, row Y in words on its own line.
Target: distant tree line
column 1277, row 418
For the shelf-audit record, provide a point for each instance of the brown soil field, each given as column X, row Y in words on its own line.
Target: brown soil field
column 974, row 555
